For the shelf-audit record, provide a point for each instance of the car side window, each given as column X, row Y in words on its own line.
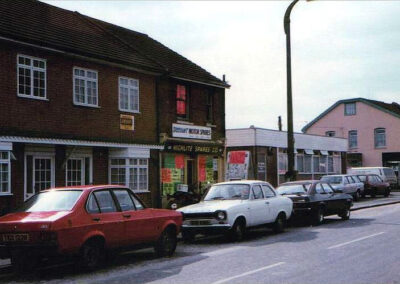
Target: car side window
column 92, row 206
column 257, row 192
column 319, row 189
column 378, row 179
column 345, row 181
column 138, row 204
column 105, row 201
column 269, row 192
column 124, row 200
column 327, row 188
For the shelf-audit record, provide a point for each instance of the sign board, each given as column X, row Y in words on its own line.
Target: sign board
column 191, row 131
column 194, row 149
column 238, row 165
column 127, row 122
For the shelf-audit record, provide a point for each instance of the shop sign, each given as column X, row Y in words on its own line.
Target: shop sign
column 191, row 131
column 194, row 149
column 127, row 122
column 238, row 165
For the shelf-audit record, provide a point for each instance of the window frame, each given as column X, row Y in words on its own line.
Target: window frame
column 356, row 139
column 376, row 136
column 83, row 158
column 129, row 87
column 261, row 190
column 8, row 163
column 127, row 166
column 186, row 100
column 86, row 79
column 330, row 133
column 32, row 69
column 346, row 111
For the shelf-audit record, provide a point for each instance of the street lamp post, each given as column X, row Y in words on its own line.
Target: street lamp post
column 291, row 174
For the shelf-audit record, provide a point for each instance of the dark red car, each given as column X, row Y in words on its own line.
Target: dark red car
column 85, row 222
column 373, row 185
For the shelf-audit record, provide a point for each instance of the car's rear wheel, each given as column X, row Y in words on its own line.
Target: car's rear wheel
column 373, row 192
column 166, row 243
column 387, row 192
column 345, row 214
column 318, row 216
column 357, row 195
column 92, row 255
column 238, row 231
column 280, row 223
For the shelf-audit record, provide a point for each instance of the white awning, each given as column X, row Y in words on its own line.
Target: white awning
column 71, row 142
column 309, row 152
column 131, row 152
column 5, row 146
column 324, row 152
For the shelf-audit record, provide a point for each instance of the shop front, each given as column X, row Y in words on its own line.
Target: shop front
column 188, row 169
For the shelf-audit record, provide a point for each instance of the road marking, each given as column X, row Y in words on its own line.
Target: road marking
column 356, row 240
column 248, row 273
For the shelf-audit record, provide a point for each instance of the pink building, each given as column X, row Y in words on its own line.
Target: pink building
column 371, row 127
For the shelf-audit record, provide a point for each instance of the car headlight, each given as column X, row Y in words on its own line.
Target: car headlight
column 221, row 215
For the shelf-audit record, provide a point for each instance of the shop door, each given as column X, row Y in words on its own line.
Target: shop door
column 189, row 174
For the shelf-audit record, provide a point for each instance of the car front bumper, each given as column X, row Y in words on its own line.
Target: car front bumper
column 206, row 229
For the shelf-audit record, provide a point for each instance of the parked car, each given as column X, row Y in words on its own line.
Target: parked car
column 374, row 185
column 386, row 174
column 233, row 207
column 84, row 222
column 347, row 183
column 316, row 199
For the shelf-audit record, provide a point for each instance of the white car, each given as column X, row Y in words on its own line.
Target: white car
column 232, row 207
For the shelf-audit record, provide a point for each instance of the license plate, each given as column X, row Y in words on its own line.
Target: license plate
column 15, row 237
column 200, row 222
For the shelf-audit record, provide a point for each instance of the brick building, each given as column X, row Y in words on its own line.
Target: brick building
column 82, row 102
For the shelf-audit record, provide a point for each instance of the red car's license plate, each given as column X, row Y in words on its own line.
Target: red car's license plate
column 15, row 237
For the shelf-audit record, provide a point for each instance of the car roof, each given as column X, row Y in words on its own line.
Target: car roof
column 86, row 187
column 243, row 181
column 300, row 182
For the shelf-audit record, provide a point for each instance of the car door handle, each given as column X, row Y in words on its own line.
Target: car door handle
column 127, row 216
column 96, row 219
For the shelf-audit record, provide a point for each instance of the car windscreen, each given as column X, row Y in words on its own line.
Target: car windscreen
column 389, row 173
column 332, row 179
column 228, row 191
column 292, row 189
column 57, row 200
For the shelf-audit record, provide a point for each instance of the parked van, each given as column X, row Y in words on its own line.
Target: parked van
column 386, row 174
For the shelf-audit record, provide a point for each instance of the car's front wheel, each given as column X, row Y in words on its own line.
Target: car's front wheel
column 345, row 214
column 166, row 243
column 280, row 223
column 92, row 255
column 318, row 216
column 238, row 231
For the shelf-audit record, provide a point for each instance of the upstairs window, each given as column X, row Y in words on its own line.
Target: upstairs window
column 330, row 133
column 181, row 102
column 350, row 109
column 353, row 143
column 210, row 106
column 85, row 87
column 31, row 77
column 128, row 94
column 380, row 137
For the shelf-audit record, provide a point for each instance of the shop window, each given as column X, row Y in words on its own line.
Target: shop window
column 300, row 163
column 182, row 99
column 173, row 173
column 307, row 163
column 128, row 94
column 130, row 172
column 353, row 141
column 85, row 87
column 283, row 163
column 31, row 77
column 380, row 137
column 330, row 165
column 5, row 172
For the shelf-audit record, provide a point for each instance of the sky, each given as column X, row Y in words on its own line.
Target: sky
column 340, row 50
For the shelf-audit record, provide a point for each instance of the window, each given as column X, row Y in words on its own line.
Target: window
column 124, row 200
column 315, row 164
column 380, row 137
column 92, row 205
column 350, row 109
column 181, row 101
column 31, row 77
column 257, row 192
column 269, row 192
column 307, row 163
column 353, row 139
column 85, row 87
column 138, row 204
column 322, row 164
column 300, row 163
column 78, row 171
column 128, row 94
column 39, row 174
column 130, row 172
column 319, row 189
column 330, row 165
column 330, row 133
column 327, row 188
column 209, row 104
column 105, row 201
column 5, row 172
column 283, row 163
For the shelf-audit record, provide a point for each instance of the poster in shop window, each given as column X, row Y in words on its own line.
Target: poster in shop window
column 238, row 165
column 206, row 169
column 171, row 173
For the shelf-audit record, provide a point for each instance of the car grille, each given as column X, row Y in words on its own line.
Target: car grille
column 209, row 215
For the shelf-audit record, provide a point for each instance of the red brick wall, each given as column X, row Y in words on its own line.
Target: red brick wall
column 59, row 116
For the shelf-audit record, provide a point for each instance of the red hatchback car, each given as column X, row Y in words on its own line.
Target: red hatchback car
column 373, row 185
column 86, row 222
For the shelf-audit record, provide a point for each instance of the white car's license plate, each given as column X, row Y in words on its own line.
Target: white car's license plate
column 15, row 237
column 200, row 222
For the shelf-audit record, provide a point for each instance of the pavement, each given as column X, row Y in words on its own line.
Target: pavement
column 369, row 202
